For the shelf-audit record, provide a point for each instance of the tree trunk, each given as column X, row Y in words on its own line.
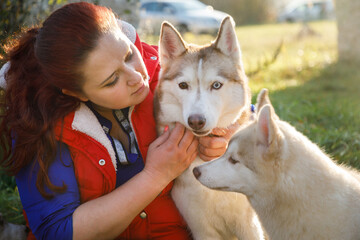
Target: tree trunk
column 348, row 23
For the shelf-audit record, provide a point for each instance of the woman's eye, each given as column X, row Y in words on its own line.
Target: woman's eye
column 216, row 85
column 233, row 161
column 129, row 56
column 183, row 85
column 112, row 83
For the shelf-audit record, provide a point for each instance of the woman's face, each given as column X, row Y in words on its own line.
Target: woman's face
column 115, row 74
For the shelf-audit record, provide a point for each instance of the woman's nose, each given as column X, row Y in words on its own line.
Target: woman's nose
column 134, row 77
column 136, row 74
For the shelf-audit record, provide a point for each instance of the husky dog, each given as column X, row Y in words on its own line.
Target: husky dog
column 205, row 87
column 297, row 191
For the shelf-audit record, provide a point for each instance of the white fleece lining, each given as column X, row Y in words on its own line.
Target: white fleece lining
column 86, row 122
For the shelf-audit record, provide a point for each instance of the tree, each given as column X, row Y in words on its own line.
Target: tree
column 127, row 10
column 348, row 23
column 15, row 14
column 12, row 16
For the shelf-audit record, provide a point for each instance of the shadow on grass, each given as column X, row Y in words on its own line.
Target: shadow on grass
column 326, row 109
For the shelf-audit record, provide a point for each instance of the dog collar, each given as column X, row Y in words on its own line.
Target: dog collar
column 252, row 108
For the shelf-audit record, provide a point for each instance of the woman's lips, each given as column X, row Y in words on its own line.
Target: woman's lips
column 140, row 89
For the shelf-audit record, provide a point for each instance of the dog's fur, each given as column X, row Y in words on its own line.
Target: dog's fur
column 204, row 87
column 9, row 231
column 297, row 191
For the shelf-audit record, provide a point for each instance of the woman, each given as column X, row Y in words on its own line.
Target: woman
column 88, row 164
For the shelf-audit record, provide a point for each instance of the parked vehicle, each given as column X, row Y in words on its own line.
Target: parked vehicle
column 307, row 10
column 185, row 15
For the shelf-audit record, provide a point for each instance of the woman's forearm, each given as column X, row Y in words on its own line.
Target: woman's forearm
column 108, row 216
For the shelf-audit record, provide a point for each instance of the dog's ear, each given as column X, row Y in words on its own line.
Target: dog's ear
column 171, row 43
column 268, row 134
column 263, row 99
column 226, row 40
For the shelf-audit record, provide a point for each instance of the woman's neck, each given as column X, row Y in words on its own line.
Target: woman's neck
column 105, row 112
column 116, row 131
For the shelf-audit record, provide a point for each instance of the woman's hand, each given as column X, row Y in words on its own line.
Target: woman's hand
column 171, row 153
column 211, row 147
column 168, row 156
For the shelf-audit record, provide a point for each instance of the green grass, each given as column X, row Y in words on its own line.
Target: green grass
column 326, row 109
column 10, row 205
column 308, row 88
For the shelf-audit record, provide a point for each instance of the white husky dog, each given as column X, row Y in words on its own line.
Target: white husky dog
column 204, row 87
column 297, row 191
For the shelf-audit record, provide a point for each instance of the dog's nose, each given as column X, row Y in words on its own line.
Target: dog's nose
column 196, row 121
column 196, row 172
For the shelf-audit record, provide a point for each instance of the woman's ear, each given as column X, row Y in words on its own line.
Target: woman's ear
column 81, row 97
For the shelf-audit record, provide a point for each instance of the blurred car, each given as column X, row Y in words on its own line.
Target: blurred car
column 185, row 15
column 307, row 10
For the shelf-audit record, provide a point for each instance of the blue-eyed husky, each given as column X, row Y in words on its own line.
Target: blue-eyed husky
column 205, row 87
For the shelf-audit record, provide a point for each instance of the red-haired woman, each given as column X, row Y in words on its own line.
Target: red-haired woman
column 79, row 93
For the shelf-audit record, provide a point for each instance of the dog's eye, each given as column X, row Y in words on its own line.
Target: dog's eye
column 183, row 85
column 216, row 85
column 233, row 161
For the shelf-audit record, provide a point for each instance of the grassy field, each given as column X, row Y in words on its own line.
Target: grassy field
column 308, row 88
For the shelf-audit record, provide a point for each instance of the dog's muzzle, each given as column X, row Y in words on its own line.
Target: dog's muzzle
column 196, row 121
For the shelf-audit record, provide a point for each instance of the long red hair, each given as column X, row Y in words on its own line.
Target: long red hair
column 43, row 61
